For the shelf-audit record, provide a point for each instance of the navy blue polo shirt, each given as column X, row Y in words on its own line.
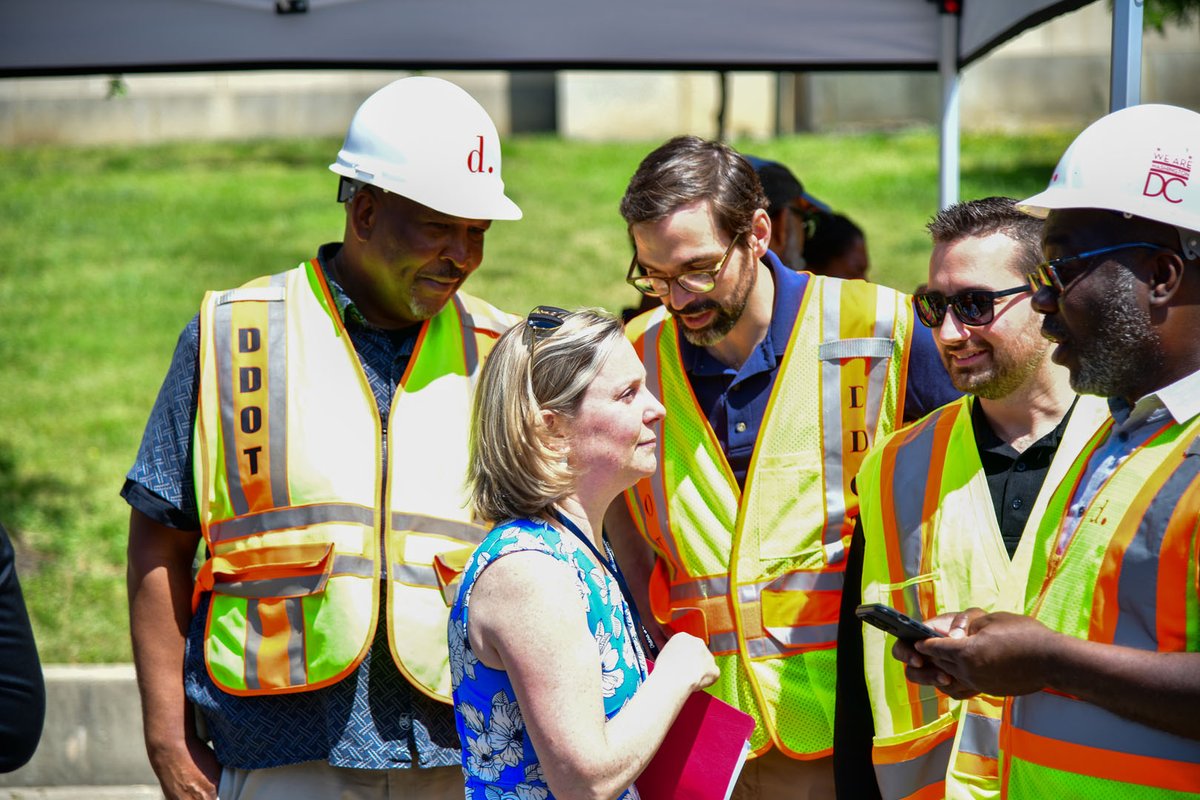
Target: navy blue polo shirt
column 735, row 400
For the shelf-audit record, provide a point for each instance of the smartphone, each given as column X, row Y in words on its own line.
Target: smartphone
column 892, row 621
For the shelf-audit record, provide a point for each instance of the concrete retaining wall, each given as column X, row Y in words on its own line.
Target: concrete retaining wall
column 92, row 737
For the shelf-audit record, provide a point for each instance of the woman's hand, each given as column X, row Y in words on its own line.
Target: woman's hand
column 687, row 658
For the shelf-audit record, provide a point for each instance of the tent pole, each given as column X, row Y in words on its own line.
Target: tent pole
column 1126, row 77
column 948, row 149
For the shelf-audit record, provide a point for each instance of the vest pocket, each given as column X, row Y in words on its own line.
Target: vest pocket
column 788, row 506
column 270, row 572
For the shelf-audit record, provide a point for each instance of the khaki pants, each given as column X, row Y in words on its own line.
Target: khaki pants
column 319, row 781
column 773, row 775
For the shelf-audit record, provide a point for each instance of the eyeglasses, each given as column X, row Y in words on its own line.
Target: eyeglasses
column 1050, row 274
column 540, row 323
column 974, row 307
column 695, row 281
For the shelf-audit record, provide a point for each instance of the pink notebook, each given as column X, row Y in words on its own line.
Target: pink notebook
column 702, row 754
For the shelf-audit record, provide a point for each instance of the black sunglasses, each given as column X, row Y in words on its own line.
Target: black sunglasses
column 974, row 307
column 1051, row 275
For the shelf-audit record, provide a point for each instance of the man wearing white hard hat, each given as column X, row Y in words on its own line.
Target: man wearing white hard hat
column 1102, row 673
column 312, row 430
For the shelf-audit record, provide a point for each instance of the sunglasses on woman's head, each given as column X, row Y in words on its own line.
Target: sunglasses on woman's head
column 541, row 322
column 974, row 307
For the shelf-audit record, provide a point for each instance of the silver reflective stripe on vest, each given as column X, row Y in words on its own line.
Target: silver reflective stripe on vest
column 910, row 478
column 285, row 518
column 804, row 581
column 784, row 640
column 276, row 378
column 277, row 398
column 415, row 575
column 295, row 647
column 907, row 777
column 723, row 643
column 701, row 588
column 980, row 735
column 910, row 475
column 299, row 585
column 1138, row 581
column 1057, row 717
column 437, row 526
column 832, row 433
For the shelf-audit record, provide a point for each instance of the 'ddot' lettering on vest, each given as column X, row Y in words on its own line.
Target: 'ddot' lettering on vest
column 249, row 340
column 252, row 454
column 858, row 441
column 251, row 419
column 856, row 396
column 249, row 379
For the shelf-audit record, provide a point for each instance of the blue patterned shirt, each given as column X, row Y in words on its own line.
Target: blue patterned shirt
column 498, row 759
column 373, row 719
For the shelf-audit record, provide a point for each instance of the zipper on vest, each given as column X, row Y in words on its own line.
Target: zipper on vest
column 383, row 509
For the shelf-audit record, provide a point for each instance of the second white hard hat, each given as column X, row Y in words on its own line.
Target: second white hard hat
column 1137, row 160
column 428, row 140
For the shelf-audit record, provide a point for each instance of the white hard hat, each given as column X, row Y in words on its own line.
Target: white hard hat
column 1138, row 161
column 428, row 140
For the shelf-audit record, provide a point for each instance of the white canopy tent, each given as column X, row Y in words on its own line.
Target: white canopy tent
column 73, row 37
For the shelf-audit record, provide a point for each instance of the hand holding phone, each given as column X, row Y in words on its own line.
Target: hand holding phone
column 900, row 625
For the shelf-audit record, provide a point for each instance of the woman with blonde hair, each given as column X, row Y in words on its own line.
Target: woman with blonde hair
column 551, row 692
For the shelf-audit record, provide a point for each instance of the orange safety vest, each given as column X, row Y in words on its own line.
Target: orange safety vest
column 932, row 545
column 1126, row 576
column 297, row 506
column 757, row 573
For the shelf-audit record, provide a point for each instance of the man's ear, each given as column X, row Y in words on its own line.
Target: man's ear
column 760, row 233
column 1166, row 277
column 361, row 213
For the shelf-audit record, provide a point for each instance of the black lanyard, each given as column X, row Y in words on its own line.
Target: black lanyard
column 614, row 569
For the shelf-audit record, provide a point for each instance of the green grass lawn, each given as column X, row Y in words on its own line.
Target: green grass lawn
column 109, row 250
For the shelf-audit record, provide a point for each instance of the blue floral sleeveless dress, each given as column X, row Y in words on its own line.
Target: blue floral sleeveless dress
column 499, row 762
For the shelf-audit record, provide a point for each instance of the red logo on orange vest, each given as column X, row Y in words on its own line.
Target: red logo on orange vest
column 1168, row 176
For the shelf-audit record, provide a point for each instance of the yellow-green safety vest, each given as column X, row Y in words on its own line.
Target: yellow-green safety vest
column 295, row 497
column 758, row 573
column 1126, row 576
column 932, row 545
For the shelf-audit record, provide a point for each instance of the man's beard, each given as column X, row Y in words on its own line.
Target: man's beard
column 1124, row 349
column 727, row 315
column 1008, row 371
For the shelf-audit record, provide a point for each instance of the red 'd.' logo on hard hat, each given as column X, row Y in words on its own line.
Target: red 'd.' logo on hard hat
column 475, row 162
column 1168, row 176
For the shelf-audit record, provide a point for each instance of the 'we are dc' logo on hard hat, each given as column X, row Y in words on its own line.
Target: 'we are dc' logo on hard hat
column 475, row 159
column 1168, row 176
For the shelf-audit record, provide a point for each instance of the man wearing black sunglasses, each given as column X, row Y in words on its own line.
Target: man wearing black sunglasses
column 775, row 383
column 1102, row 671
column 962, row 490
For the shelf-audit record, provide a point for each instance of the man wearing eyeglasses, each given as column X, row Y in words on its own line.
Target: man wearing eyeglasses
column 775, row 383
column 948, row 506
column 1101, row 672
column 313, row 430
